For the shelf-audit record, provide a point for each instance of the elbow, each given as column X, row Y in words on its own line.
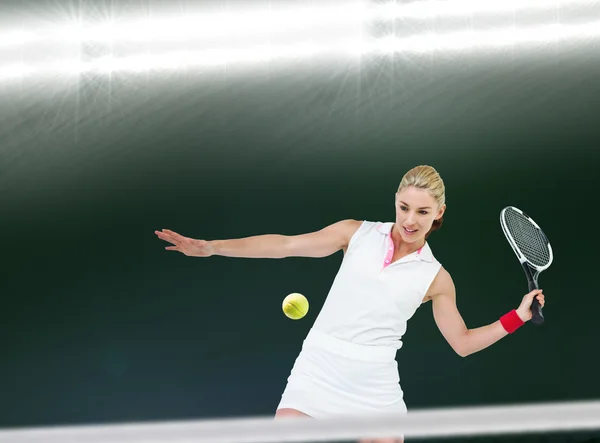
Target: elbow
column 286, row 248
column 462, row 348
column 462, row 352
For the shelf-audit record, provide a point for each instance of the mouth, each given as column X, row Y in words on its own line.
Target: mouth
column 409, row 231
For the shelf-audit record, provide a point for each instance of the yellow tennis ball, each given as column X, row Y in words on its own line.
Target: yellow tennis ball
column 295, row 306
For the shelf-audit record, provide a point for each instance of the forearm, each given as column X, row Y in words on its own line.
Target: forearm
column 480, row 338
column 259, row 246
column 467, row 341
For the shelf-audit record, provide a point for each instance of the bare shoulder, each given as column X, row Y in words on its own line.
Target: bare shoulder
column 442, row 285
column 348, row 226
column 344, row 228
column 322, row 243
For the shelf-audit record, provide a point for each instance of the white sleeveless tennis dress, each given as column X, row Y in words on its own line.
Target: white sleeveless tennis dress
column 347, row 364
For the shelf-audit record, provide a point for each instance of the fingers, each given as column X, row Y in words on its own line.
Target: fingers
column 170, row 236
column 541, row 299
column 524, row 309
column 537, row 294
column 167, row 233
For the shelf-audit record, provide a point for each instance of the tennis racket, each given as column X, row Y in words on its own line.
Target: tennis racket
column 532, row 249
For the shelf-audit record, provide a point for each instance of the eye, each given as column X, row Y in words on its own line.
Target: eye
column 424, row 212
column 403, row 208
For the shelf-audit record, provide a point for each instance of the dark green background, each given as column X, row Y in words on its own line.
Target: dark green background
column 100, row 324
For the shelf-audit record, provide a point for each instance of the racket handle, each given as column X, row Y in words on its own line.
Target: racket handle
column 536, row 309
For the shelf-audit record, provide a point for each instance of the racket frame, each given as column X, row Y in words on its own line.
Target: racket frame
column 531, row 271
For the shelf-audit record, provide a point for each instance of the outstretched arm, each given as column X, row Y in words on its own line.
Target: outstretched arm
column 316, row 244
column 466, row 341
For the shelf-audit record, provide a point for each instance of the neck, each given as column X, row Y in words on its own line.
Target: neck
column 401, row 246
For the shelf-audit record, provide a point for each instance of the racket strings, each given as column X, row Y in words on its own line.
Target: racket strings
column 530, row 241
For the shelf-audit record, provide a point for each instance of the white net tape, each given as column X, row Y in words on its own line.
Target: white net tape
column 473, row 421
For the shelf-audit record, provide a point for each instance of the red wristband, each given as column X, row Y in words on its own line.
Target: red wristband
column 511, row 321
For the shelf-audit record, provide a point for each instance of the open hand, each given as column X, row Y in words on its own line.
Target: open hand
column 187, row 246
column 524, row 310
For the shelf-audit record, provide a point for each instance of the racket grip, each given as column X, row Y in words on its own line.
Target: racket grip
column 537, row 317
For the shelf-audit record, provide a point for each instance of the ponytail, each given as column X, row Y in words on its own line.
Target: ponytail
column 437, row 224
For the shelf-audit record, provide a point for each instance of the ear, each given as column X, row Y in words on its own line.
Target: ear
column 440, row 212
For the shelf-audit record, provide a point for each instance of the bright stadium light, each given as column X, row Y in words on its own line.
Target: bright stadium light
column 17, row 38
column 428, row 9
column 282, row 34
column 15, row 71
column 326, row 19
column 343, row 48
column 499, row 38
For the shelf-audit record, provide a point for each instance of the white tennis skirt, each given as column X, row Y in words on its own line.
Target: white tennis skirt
column 332, row 377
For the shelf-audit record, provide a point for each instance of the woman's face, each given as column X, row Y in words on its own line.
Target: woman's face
column 416, row 210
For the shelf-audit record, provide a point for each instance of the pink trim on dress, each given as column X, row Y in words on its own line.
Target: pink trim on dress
column 390, row 252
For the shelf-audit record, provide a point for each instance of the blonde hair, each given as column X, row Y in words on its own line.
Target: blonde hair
column 426, row 178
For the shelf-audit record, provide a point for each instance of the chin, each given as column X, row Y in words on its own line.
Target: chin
column 412, row 238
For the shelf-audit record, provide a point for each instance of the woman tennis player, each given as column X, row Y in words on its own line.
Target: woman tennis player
column 347, row 364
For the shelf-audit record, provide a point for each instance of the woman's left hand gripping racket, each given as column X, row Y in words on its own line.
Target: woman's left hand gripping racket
column 532, row 248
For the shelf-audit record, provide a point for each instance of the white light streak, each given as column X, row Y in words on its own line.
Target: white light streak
column 342, row 48
column 473, row 421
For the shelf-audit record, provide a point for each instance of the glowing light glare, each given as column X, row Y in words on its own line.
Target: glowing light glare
column 182, row 59
column 473, row 40
column 17, row 38
column 206, row 26
column 246, row 23
column 224, row 26
column 208, row 58
column 15, row 71
column 459, row 8
column 350, row 47
column 64, row 67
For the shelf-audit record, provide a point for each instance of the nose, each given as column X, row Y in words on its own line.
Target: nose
column 410, row 219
